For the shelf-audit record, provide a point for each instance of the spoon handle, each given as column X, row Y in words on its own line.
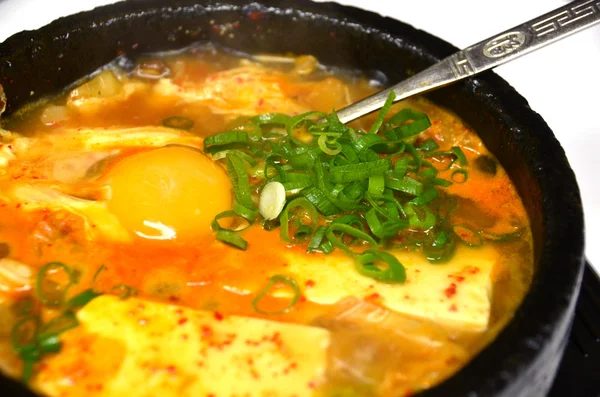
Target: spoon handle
column 487, row 54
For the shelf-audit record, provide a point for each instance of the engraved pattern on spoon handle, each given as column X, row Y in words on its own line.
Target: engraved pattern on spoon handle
column 487, row 54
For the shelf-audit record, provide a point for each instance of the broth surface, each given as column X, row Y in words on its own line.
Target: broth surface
column 81, row 183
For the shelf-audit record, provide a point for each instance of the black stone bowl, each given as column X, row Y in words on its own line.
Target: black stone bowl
column 523, row 359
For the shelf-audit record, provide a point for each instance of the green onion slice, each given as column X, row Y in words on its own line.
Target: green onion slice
column 273, row 281
column 231, row 238
column 467, row 235
column 83, row 298
column 225, row 138
column 124, row 291
column 460, row 155
column 420, row 122
column 428, row 146
column 310, row 210
column 58, row 325
column 178, row 122
column 350, row 231
column 48, row 291
column 239, row 226
column 239, row 179
column 357, row 172
column 459, row 176
column 440, row 247
column 328, row 145
column 23, row 336
column 366, row 264
column 384, row 110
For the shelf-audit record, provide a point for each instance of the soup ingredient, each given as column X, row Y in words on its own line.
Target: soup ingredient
column 273, row 282
column 15, row 277
column 98, row 220
column 176, row 351
column 272, row 200
column 456, row 294
column 348, row 179
column 178, row 122
column 54, row 114
column 169, row 193
column 243, row 91
column 368, row 340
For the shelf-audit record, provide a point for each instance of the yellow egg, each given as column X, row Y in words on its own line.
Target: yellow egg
column 168, row 193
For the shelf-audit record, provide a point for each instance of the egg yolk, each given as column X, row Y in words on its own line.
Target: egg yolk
column 168, row 193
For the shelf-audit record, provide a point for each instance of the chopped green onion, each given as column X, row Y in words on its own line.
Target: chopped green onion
column 49, row 343
column 460, row 156
column 83, row 298
column 384, row 110
column 239, row 179
column 320, row 201
column 468, row 236
column 225, row 138
column 401, row 167
column 97, row 273
column 274, row 280
column 125, row 291
column 27, row 370
column 347, row 230
column 459, row 176
column 440, row 182
column 271, row 118
column 43, row 279
column 357, row 172
column 406, row 185
column 60, row 324
column 316, row 240
column 324, row 144
column 23, row 334
column 441, row 247
column 178, row 122
column 295, row 121
column 420, row 122
column 503, row 237
column 231, row 238
column 248, row 214
column 304, row 204
column 420, row 217
column 366, row 264
column 428, row 146
column 376, row 185
column 386, row 229
column 216, row 226
column 425, row 197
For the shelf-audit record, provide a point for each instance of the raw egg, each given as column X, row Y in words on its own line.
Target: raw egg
column 168, row 193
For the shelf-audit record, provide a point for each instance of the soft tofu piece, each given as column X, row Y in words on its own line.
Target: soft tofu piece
column 175, row 351
column 455, row 294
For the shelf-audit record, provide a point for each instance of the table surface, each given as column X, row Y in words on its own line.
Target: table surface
column 561, row 82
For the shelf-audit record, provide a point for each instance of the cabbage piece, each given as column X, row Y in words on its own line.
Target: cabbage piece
column 101, row 138
column 74, row 167
column 376, row 350
column 99, row 221
column 105, row 89
column 242, row 91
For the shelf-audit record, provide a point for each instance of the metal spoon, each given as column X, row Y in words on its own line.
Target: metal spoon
column 486, row 54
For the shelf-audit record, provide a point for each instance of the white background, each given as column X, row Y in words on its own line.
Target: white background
column 561, row 82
